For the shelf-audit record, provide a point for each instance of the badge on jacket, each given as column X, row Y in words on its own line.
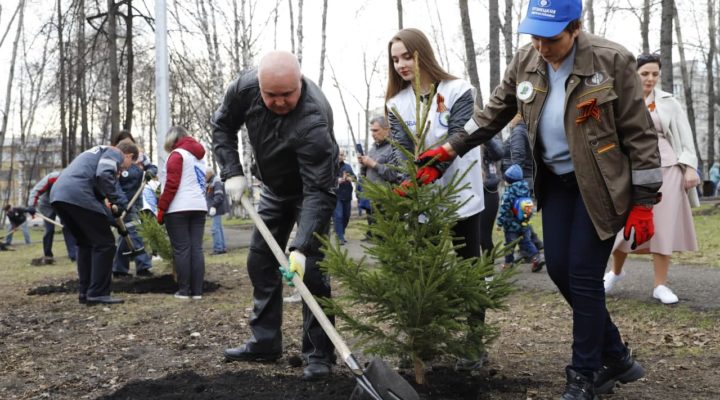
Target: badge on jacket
column 525, row 91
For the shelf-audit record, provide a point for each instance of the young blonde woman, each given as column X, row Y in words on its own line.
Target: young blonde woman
column 450, row 109
column 674, row 228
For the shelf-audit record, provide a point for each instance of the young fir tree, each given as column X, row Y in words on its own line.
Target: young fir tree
column 418, row 299
column 155, row 236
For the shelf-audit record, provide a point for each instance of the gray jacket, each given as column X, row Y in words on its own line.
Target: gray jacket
column 90, row 179
column 383, row 172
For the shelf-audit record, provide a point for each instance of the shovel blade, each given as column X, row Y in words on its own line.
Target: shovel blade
column 385, row 382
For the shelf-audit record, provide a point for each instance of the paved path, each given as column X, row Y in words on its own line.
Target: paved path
column 697, row 287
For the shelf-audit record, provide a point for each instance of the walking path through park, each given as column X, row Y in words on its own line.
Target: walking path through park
column 697, row 287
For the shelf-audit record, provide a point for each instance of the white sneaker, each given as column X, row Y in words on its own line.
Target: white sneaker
column 610, row 279
column 196, row 297
column 293, row 298
column 181, row 296
column 665, row 295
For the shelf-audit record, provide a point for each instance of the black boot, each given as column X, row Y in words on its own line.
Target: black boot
column 578, row 386
column 623, row 370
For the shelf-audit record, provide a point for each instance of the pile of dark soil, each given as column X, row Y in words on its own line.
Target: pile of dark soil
column 157, row 284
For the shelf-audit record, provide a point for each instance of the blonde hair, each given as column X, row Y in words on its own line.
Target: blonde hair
column 414, row 41
column 173, row 135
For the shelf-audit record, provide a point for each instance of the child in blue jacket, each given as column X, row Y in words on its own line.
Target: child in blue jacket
column 516, row 209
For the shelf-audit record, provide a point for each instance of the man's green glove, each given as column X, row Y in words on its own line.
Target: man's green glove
column 297, row 266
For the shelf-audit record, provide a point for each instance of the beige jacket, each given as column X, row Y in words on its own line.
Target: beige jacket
column 677, row 130
column 614, row 150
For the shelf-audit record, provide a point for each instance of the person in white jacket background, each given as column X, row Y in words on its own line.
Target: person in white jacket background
column 674, row 228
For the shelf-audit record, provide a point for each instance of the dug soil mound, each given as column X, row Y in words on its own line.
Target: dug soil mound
column 156, row 284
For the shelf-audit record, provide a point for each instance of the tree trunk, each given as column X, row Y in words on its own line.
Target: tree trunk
column 590, row 15
column 470, row 62
column 300, row 32
column 292, row 27
column 494, row 43
column 61, row 83
column 687, row 86
column 81, row 71
column 645, row 27
column 113, row 70
column 507, row 31
column 322, row 45
column 712, row 32
column 666, row 44
column 400, row 14
column 10, row 77
column 129, row 105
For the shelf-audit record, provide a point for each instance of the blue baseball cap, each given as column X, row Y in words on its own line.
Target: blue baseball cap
column 547, row 18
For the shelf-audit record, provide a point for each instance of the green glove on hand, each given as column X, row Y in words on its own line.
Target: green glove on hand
column 297, row 266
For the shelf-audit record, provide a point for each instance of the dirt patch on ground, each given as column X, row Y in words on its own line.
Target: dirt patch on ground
column 155, row 346
column 157, row 284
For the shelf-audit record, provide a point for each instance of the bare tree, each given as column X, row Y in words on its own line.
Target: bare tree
column 400, row 14
column 322, row 46
column 113, row 69
column 438, row 36
column 129, row 105
column 712, row 35
column 80, row 86
column 494, row 43
column 687, row 85
column 292, row 27
column 666, row 32
column 507, row 31
column 11, row 74
column 589, row 11
column 368, row 83
column 300, row 32
column 643, row 17
column 470, row 62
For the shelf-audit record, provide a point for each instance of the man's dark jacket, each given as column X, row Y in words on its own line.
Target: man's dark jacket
column 295, row 154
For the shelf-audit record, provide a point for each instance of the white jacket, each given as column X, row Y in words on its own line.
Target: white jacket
column 677, row 130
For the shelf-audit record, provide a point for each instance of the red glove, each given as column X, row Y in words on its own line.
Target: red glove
column 161, row 216
column 433, row 156
column 427, row 175
column 403, row 188
column 640, row 221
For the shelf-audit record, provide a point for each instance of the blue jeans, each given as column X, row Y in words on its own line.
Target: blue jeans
column 341, row 218
column 217, row 234
column 576, row 259
column 25, row 231
column 527, row 247
column 121, row 263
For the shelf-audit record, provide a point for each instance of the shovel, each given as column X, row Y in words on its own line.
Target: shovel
column 379, row 381
column 122, row 229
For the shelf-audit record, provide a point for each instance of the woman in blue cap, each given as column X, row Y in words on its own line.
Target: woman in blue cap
column 597, row 171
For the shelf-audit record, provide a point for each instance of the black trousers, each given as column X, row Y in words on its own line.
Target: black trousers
column 576, row 259
column 186, row 230
column 467, row 232
column 96, row 247
column 280, row 214
column 487, row 219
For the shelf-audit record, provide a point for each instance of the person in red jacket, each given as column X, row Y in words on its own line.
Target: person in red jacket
column 182, row 208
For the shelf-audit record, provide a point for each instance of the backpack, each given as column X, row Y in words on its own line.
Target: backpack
column 522, row 209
